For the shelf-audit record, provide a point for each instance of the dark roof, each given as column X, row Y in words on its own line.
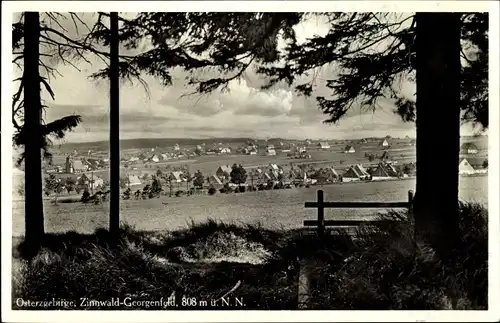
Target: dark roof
column 475, row 162
column 469, row 145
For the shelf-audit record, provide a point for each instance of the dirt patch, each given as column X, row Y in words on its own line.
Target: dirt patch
column 221, row 247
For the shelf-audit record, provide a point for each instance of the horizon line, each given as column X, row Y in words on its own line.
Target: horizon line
column 250, row 138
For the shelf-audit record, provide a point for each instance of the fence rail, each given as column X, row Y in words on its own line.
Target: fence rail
column 320, row 204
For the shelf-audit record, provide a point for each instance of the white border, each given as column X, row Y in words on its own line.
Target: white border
column 249, row 316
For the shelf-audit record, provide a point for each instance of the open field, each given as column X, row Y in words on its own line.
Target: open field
column 377, row 268
column 273, row 209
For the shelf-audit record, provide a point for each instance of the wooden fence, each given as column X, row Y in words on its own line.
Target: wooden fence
column 320, row 204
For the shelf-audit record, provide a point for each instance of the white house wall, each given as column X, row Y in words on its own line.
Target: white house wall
column 350, row 179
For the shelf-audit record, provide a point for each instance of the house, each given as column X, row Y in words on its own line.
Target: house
column 155, row 158
column 215, row 181
column 91, row 182
column 286, row 149
column 468, row 148
column 384, row 171
column 355, row 173
column 468, row 166
column 384, row 143
column 270, row 146
column 385, row 156
column 275, row 171
column 224, row 172
column 324, row 145
column 349, row 149
column 92, row 164
column 250, row 150
column 225, row 150
column 96, row 182
column 133, row 180
column 177, row 147
column 176, row 176
column 74, row 166
column 331, row 173
column 361, row 170
column 465, row 168
column 267, row 177
column 270, row 152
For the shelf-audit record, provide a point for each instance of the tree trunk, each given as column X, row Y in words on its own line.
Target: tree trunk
column 34, row 222
column 114, row 102
column 438, row 129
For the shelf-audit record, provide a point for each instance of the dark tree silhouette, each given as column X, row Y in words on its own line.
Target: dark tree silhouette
column 34, row 221
column 70, row 184
column 31, row 31
column 114, row 126
column 238, row 174
column 198, row 180
column 372, row 53
column 438, row 89
column 55, row 185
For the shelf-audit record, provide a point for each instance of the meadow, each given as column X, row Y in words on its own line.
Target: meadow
column 275, row 209
column 249, row 245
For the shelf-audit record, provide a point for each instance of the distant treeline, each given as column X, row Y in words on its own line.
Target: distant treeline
column 170, row 142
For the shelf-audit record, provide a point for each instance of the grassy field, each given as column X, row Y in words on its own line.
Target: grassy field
column 273, row 209
column 242, row 267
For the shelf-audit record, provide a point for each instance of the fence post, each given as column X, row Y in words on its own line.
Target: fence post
column 410, row 205
column 411, row 216
column 321, row 214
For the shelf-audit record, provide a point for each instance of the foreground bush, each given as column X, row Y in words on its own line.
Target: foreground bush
column 204, row 262
column 377, row 268
column 386, row 269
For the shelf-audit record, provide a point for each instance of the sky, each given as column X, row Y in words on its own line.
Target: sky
column 245, row 111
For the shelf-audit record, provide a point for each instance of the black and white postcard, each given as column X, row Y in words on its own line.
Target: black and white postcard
column 250, row 161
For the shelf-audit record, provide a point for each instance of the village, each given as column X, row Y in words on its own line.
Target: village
column 289, row 165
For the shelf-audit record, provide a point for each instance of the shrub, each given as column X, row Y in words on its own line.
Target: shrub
column 212, row 190
column 179, row 193
column 379, row 268
column 385, row 269
column 126, row 194
column 85, row 196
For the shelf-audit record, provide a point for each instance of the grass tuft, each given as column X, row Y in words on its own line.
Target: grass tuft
column 375, row 268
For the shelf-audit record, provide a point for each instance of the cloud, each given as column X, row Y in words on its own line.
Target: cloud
column 244, row 111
